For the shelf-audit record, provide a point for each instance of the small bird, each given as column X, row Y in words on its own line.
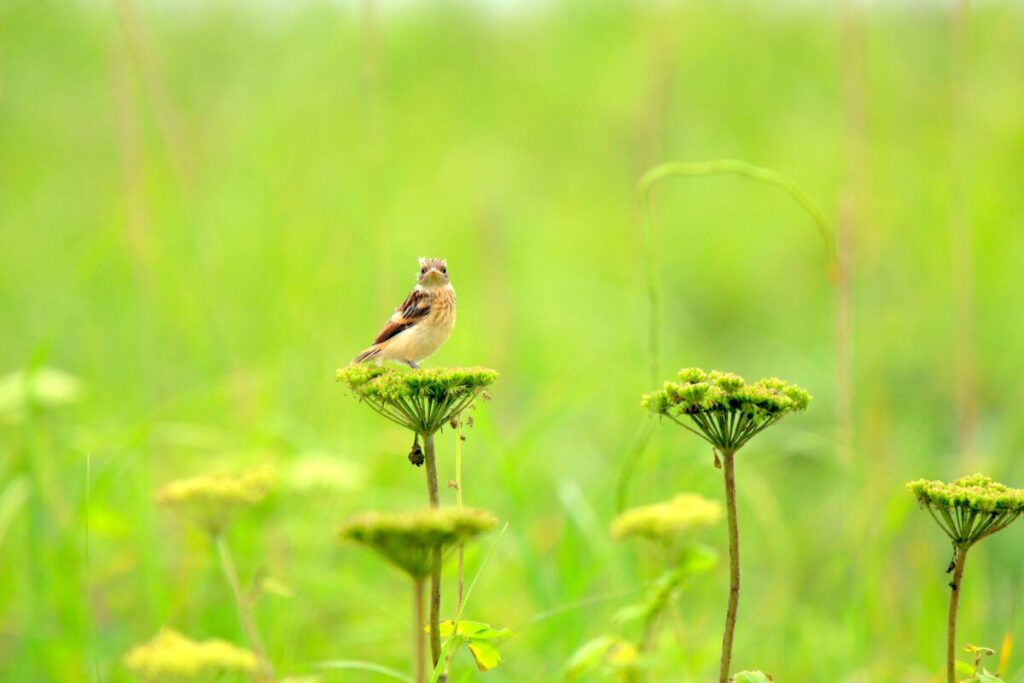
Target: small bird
column 421, row 324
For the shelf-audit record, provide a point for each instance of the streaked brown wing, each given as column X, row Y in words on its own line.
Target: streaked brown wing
column 414, row 309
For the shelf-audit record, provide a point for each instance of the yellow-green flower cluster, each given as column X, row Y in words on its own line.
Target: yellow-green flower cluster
column 667, row 521
column 420, row 400
column 212, row 500
column 171, row 657
column 722, row 407
column 975, row 492
column 408, row 540
column 423, row 400
column 969, row 508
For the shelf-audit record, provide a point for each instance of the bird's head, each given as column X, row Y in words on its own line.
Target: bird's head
column 433, row 272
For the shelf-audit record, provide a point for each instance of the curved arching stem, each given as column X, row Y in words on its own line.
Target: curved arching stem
column 709, row 168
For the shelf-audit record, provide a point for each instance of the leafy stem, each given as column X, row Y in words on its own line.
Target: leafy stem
column 244, row 605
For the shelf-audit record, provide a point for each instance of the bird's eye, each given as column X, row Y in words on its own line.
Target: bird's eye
column 444, row 270
column 423, row 271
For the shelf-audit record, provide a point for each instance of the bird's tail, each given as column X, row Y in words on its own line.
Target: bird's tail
column 368, row 354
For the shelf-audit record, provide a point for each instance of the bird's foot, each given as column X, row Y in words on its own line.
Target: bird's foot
column 412, row 364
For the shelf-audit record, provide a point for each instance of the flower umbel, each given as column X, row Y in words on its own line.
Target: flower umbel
column 211, row 501
column 171, row 657
column 420, row 400
column 970, row 508
column 722, row 408
column 667, row 521
column 408, row 540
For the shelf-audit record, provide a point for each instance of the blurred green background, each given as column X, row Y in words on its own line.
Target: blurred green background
column 205, row 208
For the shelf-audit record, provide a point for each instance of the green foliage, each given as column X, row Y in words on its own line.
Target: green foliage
column 975, row 672
column 616, row 655
column 480, row 639
column 693, row 562
column 751, row 677
column 420, row 400
column 200, row 304
column 970, row 508
column 609, row 655
column 407, row 540
column 40, row 388
column 722, row 408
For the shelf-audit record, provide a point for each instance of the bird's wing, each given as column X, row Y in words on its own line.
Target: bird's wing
column 414, row 309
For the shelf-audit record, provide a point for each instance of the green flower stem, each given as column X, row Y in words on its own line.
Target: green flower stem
column 954, row 602
column 650, row 632
column 430, row 465
column 252, row 634
column 458, row 503
column 728, row 469
column 462, row 546
column 419, row 644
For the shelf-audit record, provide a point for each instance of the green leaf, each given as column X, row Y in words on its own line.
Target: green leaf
column 698, row 560
column 485, row 655
column 472, row 630
column 363, row 666
column 985, row 677
column 751, row 677
column 964, row 669
column 633, row 612
column 590, row 656
column 655, row 599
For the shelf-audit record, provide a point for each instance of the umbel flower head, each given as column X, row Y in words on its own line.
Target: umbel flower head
column 970, row 508
column 408, row 540
column 668, row 521
column 722, row 408
column 172, row 658
column 211, row 501
column 420, row 400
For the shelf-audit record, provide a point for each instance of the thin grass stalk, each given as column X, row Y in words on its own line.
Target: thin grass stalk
column 851, row 214
column 962, row 270
column 461, row 546
column 252, row 634
column 154, row 81
column 729, row 474
column 632, row 461
column 653, row 289
column 458, row 503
